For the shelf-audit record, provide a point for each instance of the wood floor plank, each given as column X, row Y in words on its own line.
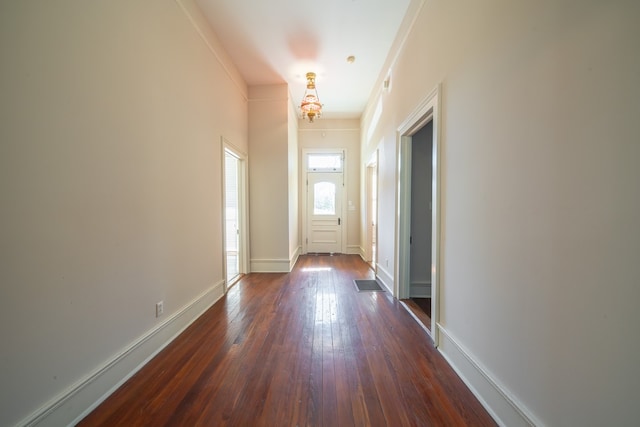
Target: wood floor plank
column 297, row 349
column 418, row 311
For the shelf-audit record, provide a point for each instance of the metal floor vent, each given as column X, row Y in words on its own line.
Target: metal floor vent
column 368, row 285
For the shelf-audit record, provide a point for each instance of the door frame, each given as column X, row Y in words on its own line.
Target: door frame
column 427, row 110
column 304, row 201
column 243, row 210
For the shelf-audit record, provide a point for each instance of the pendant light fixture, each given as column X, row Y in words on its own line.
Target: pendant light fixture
column 310, row 107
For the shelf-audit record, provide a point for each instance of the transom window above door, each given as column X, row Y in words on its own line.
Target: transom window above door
column 325, row 162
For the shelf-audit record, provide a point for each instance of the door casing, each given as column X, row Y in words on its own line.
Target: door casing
column 304, row 198
column 243, row 212
column 428, row 110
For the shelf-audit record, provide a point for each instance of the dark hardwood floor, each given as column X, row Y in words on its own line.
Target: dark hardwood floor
column 421, row 309
column 298, row 349
column 424, row 304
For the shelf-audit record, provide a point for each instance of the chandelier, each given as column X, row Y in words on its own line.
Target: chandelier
column 311, row 107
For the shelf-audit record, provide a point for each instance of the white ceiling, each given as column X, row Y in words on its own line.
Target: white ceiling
column 279, row 41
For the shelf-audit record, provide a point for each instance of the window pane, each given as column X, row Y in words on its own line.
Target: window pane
column 331, row 162
column 324, row 198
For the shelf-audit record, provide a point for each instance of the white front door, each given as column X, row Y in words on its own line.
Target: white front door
column 324, row 210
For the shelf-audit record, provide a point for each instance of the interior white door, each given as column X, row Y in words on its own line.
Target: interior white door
column 232, row 215
column 372, row 211
column 324, row 211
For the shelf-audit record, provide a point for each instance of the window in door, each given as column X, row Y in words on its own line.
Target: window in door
column 324, row 198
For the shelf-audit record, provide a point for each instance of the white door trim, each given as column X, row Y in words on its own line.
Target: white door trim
column 428, row 110
column 303, row 186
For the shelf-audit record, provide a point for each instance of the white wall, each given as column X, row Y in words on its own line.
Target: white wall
column 338, row 133
column 540, row 198
column 110, row 122
column 269, row 177
column 294, row 185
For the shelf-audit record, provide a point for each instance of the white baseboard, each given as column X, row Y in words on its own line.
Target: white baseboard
column 384, row 277
column 270, row 265
column 420, row 290
column 505, row 409
column 75, row 403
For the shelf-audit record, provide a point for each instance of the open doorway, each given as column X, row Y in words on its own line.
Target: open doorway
column 234, row 180
column 418, row 225
column 420, row 239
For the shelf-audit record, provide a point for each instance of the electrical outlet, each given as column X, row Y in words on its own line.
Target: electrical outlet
column 159, row 308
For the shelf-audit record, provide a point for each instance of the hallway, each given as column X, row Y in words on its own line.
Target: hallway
column 303, row 348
